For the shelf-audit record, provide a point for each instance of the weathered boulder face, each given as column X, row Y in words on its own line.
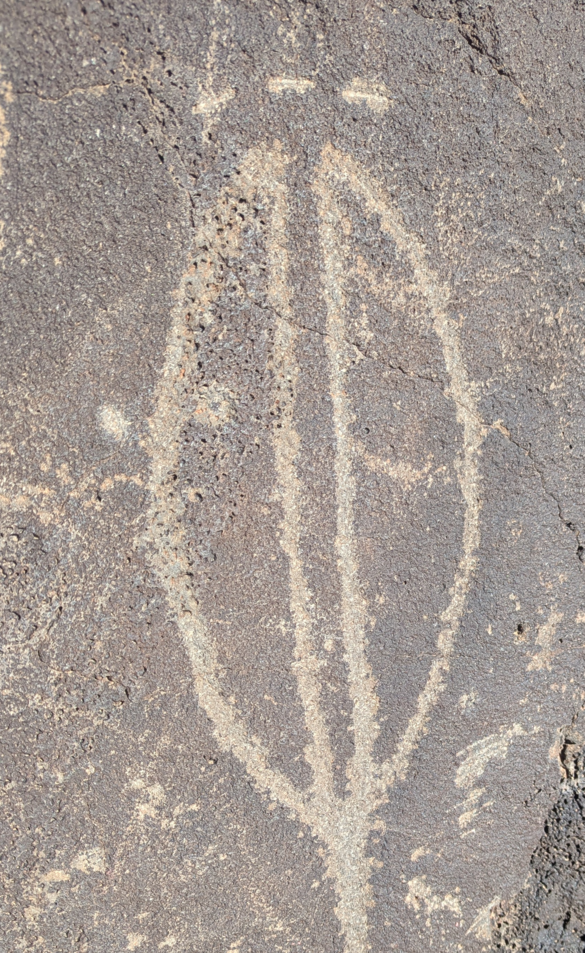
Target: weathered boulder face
column 292, row 508
column 548, row 915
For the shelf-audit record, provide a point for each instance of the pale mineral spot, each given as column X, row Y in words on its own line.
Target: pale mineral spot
column 216, row 404
column 419, row 852
column 547, row 641
column 156, row 796
column 113, row 421
column 88, row 861
column 31, row 913
column 135, row 940
column 420, row 895
column 467, row 700
column 55, row 876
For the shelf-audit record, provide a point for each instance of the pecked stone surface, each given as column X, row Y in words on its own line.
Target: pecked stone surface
column 291, row 491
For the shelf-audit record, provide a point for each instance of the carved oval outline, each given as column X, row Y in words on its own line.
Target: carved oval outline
column 343, row 826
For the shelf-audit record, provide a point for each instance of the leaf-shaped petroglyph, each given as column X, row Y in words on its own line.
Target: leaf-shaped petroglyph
column 343, row 824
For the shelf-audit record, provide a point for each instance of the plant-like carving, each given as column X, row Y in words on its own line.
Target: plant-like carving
column 343, row 825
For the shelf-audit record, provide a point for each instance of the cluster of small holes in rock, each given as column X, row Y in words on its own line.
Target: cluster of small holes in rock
column 548, row 915
column 228, row 347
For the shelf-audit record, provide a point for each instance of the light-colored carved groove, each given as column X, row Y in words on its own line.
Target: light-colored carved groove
column 353, row 607
column 402, row 472
column 343, row 824
column 469, row 480
column 342, row 170
column 168, row 549
column 6, row 96
column 209, row 102
column 264, row 173
column 348, row 843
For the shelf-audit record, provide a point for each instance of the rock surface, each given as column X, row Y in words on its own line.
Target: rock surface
column 291, row 494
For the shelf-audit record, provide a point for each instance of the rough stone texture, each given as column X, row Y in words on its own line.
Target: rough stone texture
column 549, row 913
column 291, row 494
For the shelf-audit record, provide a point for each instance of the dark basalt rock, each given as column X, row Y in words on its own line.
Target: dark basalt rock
column 292, row 443
column 549, row 913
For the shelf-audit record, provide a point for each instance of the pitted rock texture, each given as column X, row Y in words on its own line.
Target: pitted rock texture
column 549, row 913
column 291, row 498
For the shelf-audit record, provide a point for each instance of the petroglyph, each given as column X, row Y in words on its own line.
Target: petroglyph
column 281, row 84
column 403, row 472
column 374, row 96
column 291, row 503
column 210, row 102
column 480, row 753
column 342, row 824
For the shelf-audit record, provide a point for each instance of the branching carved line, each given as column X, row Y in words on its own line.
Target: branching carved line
column 342, row 824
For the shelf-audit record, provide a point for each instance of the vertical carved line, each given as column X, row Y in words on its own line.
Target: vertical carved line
column 266, row 171
column 353, row 607
column 348, row 839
